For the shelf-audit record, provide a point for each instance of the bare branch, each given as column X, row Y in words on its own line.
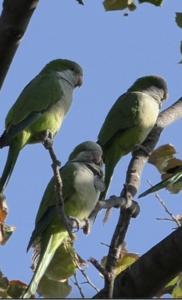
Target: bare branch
column 14, row 20
column 58, row 185
column 76, row 283
column 173, row 217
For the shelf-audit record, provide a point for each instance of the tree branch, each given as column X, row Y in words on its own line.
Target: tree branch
column 14, row 20
column 151, row 272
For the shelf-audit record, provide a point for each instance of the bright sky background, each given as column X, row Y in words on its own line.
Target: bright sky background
column 113, row 50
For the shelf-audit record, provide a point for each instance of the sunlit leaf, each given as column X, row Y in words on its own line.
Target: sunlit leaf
column 177, row 291
column 3, row 208
column 125, row 260
column 119, row 4
column 168, row 288
column 163, row 158
column 5, row 233
column 179, row 19
column 154, row 2
column 160, row 156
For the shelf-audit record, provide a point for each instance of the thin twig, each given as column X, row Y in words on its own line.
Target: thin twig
column 88, row 281
column 173, row 218
column 164, row 219
column 76, row 283
column 78, row 262
column 98, row 266
column 58, row 187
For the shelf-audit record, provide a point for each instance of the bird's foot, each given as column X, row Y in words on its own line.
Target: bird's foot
column 77, row 224
column 141, row 147
column 47, row 139
column 134, row 209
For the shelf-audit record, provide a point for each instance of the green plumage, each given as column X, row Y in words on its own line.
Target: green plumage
column 129, row 121
column 41, row 107
column 81, row 178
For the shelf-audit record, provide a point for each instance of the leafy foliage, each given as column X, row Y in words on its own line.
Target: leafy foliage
column 5, row 230
column 129, row 4
column 11, row 289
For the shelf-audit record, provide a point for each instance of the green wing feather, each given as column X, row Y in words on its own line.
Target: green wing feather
column 120, row 118
column 42, row 92
column 162, row 184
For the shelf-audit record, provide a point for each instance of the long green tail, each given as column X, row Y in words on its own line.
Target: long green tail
column 109, row 169
column 159, row 186
column 53, row 243
column 9, row 166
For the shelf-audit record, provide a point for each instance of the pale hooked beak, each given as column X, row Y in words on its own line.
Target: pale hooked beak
column 79, row 80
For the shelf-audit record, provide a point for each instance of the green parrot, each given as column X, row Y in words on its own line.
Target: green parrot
column 40, row 108
column 129, row 121
column 82, row 178
column 172, row 181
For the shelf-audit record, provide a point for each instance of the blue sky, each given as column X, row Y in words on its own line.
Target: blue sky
column 113, row 50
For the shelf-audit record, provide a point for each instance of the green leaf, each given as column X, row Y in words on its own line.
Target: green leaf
column 177, row 291
column 123, row 262
column 179, row 19
column 119, row 4
column 154, row 2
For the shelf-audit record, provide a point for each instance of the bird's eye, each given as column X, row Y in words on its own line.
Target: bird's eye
column 72, row 69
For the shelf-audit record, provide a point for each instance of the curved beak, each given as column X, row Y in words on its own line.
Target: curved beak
column 79, row 80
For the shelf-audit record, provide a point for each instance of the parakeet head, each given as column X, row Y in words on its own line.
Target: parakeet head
column 154, row 85
column 68, row 69
column 89, row 152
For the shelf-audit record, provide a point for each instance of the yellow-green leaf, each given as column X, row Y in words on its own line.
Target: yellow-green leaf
column 124, row 262
column 177, row 291
column 119, row 4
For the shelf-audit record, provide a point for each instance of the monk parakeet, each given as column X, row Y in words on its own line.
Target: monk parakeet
column 130, row 120
column 40, row 108
column 172, row 181
column 82, row 178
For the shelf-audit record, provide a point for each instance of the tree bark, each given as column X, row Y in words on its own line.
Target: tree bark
column 149, row 274
column 14, row 20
